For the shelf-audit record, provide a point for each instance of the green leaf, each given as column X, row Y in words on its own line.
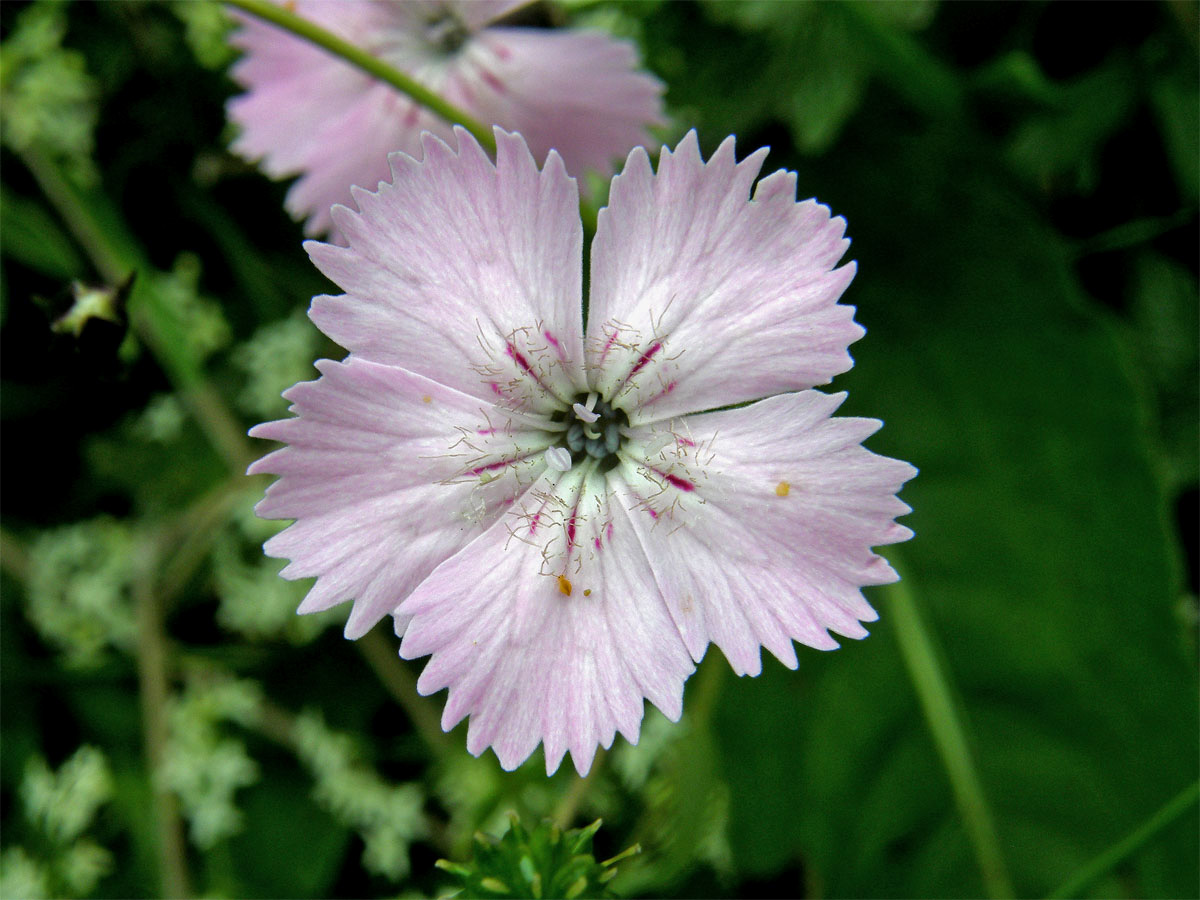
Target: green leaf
column 1173, row 99
column 1062, row 145
column 542, row 862
column 277, row 857
column 1041, row 563
column 804, row 63
column 34, row 239
column 1163, row 331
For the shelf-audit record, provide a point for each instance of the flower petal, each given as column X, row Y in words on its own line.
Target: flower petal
column 477, row 13
column 464, row 271
column 685, row 254
column 387, row 474
column 576, row 92
column 529, row 661
column 306, row 112
column 794, row 503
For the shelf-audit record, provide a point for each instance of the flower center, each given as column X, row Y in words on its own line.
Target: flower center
column 593, row 431
column 446, row 32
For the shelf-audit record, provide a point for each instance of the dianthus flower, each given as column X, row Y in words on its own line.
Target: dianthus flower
column 562, row 507
column 307, row 112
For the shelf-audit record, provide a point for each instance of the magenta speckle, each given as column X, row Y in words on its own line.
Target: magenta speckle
column 674, row 480
column 492, row 81
column 533, row 523
column 645, row 358
column 496, row 389
column 612, row 339
column 479, row 470
column 608, row 532
column 653, row 513
column 520, row 360
column 551, row 338
column 682, row 483
column 596, row 541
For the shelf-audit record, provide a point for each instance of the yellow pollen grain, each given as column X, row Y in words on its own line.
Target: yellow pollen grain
column 587, row 592
column 426, row 399
column 564, row 584
column 781, row 489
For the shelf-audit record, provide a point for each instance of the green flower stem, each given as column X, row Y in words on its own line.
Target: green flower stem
column 1133, row 234
column 1123, row 849
column 923, row 79
column 573, row 797
column 932, row 686
column 152, row 667
column 380, row 653
column 302, row 28
column 192, row 534
column 115, row 253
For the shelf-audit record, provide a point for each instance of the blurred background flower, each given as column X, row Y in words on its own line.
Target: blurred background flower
column 308, row 113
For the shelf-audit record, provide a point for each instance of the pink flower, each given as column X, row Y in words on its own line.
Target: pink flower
column 546, row 507
column 308, row 113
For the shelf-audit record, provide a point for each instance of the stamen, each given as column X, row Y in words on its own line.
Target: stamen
column 595, row 430
column 558, row 458
column 584, row 413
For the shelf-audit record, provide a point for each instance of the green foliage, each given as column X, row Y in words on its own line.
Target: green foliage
column 206, row 29
column 388, row 817
column 254, row 601
column 544, row 862
column 33, row 238
column 1164, row 318
column 48, row 97
column 162, row 421
column 204, row 767
column 63, row 804
column 1051, row 593
column 1061, row 144
column 686, row 796
column 277, row 356
column 60, row 806
column 198, row 316
column 21, row 876
column 812, row 64
column 80, row 596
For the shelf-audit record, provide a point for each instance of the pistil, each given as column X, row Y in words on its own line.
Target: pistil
column 594, row 431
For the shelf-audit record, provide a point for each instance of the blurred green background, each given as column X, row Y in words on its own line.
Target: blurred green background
column 1020, row 183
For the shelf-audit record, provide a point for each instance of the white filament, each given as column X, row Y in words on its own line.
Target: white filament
column 658, row 443
column 558, row 458
column 584, row 414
